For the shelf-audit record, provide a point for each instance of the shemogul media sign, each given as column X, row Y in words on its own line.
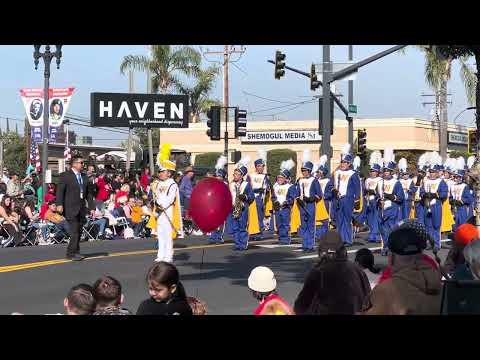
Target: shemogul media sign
column 284, row 136
column 139, row 110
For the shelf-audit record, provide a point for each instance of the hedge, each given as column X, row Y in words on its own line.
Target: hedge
column 274, row 159
column 207, row 160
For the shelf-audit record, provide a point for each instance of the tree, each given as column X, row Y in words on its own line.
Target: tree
column 166, row 63
column 467, row 51
column 15, row 152
column 200, row 103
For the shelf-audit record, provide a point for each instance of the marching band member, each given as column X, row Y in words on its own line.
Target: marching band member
column 308, row 192
column 346, row 194
column 461, row 196
column 359, row 214
column 391, row 197
column 326, row 185
column 261, row 187
column 433, row 192
column 168, row 206
column 243, row 197
column 216, row 236
column 372, row 197
column 448, row 219
column 408, row 187
column 283, row 196
column 418, row 209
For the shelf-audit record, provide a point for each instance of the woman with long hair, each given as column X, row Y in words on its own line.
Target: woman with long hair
column 10, row 219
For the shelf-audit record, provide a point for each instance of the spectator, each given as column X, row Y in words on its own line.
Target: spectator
column 137, row 213
column 107, row 292
column 104, row 189
column 178, row 178
column 92, row 187
column 464, row 234
column 80, row 300
column 5, row 177
column 13, row 187
column 263, row 285
column 365, row 259
column 101, row 221
column 198, row 306
column 145, row 179
column 10, row 219
column 335, row 285
column 472, row 259
column 186, row 188
column 28, row 190
column 54, row 217
column 414, row 287
column 3, row 190
column 28, row 214
column 117, row 183
column 167, row 294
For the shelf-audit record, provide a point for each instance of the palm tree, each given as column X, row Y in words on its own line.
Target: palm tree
column 198, row 93
column 165, row 63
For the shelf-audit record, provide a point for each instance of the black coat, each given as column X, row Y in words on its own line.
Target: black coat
column 68, row 195
column 333, row 287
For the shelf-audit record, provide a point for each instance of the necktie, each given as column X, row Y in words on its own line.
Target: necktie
column 79, row 179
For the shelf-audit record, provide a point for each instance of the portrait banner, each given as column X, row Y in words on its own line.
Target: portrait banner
column 33, row 101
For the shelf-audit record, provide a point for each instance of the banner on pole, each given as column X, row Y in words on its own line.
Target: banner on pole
column 33, row 101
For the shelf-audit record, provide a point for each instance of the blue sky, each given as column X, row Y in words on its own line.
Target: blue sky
column 390, row 87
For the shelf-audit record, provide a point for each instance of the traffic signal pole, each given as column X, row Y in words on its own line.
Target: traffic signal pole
column 325, row 147
column 350, row 100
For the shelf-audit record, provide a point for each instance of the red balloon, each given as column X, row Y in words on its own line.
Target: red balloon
column 210, row 204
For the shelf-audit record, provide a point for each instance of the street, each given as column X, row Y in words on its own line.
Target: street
column 35, row 280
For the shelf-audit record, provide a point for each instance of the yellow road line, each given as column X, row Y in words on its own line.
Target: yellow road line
column 32, row 265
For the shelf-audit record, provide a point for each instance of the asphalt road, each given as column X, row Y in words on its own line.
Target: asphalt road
column 35, row 280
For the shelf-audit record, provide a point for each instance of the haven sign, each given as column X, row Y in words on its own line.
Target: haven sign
column 139, row 110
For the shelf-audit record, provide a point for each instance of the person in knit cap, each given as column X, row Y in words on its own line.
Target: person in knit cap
column 308, row 192
column 346, row 194
column 391, row 198
column 414, row 287
column 242, row 197
column 261, row 187
column 216, row 236
column 433, row 192
column 326, row 185
column 372, row 197
column 283, row 197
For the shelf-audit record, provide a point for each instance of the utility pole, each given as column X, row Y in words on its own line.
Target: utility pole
column 67, row 144
column 228, row 50
column 149, row 130
column 325, row 148
column 129, row 141
column 350, row 99
column 441, row 101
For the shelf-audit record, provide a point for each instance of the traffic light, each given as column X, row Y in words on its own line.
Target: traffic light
column 235, row 156
column 362, row 143
column 240, row 122
column 314, row 83
column 279, row 64
column 472, row 141
column 213, row 123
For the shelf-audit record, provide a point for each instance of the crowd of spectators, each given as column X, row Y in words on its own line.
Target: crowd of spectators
column 125, row 206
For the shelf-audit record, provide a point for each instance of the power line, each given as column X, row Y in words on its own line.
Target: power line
column 283, row 106
column 268, row 99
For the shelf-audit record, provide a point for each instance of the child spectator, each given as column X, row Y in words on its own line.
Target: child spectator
column 263, row 285
column 136, row 213
column 108, row 296
column 198, row 306
column 54, row 217
column 80, row 300
column 167, row 294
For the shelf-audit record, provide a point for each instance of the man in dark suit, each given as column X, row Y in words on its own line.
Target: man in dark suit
column 72, row 195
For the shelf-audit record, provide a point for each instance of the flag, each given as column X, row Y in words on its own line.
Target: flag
column 67, row 156
column 38, row 164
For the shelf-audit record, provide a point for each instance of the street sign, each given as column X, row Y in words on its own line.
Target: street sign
column 352, row 108
column 336, row 67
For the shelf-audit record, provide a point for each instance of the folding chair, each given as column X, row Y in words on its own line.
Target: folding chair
column 29, row 235
column 88, row 231
column 6, row 238
column 56, row 235
column 120, row 222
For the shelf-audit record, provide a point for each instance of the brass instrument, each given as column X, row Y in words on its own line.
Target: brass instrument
column 238, row 205
column 427, row 201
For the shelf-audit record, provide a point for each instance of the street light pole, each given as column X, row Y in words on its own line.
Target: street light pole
column 461, row 112
column 47, row 57
column 325, row 148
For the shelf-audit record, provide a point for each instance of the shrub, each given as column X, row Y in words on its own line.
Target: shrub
column 274, row 159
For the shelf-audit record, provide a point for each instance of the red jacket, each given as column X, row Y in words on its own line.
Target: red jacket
column 273, row 305
column 387, row 272
column 103, row 189
column 144, row 181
